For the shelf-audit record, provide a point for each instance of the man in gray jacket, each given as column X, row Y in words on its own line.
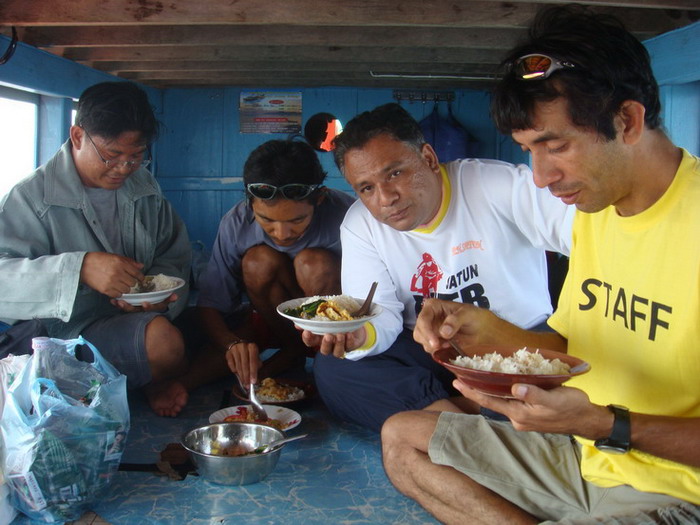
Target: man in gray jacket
column 86, row 227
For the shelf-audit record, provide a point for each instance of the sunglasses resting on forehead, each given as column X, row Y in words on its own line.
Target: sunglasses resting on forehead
column 295, row 192
column 537, row 66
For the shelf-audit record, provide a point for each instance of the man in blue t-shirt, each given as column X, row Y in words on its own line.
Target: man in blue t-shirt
column 281, row 243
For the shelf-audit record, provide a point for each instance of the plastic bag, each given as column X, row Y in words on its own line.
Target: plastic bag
column 449, row 139
column 10, row 367
column 63, row 428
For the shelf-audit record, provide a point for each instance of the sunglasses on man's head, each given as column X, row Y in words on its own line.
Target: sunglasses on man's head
column 295, row 192
column 538, row 67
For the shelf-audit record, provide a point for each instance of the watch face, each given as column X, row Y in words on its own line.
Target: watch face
column 610, row 448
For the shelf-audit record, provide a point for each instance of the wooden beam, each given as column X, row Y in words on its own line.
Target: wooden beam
column 333, row 76
column 279, row 82
column 282, row 35
column 276, row 65
column 446, row 13
column 282, row 53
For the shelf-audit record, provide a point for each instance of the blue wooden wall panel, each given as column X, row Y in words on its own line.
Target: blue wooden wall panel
column 202, row 152
column 680, row 104
column 675, row 56
column 191, row 143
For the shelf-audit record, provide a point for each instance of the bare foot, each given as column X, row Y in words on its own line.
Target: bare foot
column 167, row 399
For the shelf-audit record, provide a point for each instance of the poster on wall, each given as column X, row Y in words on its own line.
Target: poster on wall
column 270, row 112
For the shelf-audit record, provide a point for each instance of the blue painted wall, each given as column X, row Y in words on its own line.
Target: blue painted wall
column 203, row 179
column 200, row 155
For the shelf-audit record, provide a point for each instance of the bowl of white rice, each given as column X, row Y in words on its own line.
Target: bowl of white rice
column 319, row 324
column 493, row 369
column 153, row 289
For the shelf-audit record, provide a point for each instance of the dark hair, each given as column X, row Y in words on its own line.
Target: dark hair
column 280, row 162
column 610, row 66
column 109, row 109
column 390, row 119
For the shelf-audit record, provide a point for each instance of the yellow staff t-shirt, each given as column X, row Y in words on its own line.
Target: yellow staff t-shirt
column 631, row 308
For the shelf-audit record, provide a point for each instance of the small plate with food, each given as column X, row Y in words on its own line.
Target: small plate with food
column 281, row 418
column 494, row 369
column 327, row 314
column 285, row 392
column 153, row 289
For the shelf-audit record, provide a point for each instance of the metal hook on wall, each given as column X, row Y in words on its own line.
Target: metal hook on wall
column 7, row 55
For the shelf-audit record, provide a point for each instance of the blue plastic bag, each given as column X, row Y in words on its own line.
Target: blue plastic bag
column 63, row 427
column 449, row 139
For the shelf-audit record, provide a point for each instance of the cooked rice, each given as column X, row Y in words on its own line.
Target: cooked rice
column 154, row 283
column 270, row 391
column 522, row 362
column 163, row 282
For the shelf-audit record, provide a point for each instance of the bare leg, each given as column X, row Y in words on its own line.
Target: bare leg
column 460, row 405
column 318, row 272
column 446, row 493
column 272, row 278
column 165, row 349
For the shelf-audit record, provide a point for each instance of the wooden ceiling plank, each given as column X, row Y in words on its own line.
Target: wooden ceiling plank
column 252, row 84
column 267, row 66
column 449, row 13
column 281, row 53
column 100, row 36
column 332, row 72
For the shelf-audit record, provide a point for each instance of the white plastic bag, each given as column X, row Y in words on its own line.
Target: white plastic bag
column 7, row 511
column 10, row 367
column 61, row 420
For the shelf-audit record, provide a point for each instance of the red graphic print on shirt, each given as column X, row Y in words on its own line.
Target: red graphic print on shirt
column 425, row 280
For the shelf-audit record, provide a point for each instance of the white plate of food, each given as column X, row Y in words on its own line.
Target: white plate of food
column 327, row 314
column 282, row 418
column 153, row 289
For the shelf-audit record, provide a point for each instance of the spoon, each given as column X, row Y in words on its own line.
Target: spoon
column 258, row 409
column 364, row 309
column 257, row 406
column 456, row 347
column 275, row 444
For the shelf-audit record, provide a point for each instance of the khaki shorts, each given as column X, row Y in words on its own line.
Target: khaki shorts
column 540, row 473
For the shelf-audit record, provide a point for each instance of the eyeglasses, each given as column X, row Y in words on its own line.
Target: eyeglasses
column 537, row 67
column 110, row 163
column 295, row 192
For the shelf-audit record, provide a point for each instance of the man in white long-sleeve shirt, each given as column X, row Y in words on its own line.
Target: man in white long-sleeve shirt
column 472, row 231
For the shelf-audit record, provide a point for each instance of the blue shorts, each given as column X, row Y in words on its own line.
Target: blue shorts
column 369, row 390
column 121, row 341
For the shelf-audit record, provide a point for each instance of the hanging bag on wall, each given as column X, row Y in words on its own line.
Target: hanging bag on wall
column 63, row 428
column 449, row 139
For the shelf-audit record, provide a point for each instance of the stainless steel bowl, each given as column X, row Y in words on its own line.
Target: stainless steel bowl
column 203, row 443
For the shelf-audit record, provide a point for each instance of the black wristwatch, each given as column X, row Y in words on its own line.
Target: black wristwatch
column 618, row 442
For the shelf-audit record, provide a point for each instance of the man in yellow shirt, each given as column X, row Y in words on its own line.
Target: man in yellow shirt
column 621, row 443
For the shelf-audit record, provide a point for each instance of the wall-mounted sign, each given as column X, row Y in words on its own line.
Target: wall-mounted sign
column 270, row 112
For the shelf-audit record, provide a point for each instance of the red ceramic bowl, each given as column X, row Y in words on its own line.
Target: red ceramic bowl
column 499, row 384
